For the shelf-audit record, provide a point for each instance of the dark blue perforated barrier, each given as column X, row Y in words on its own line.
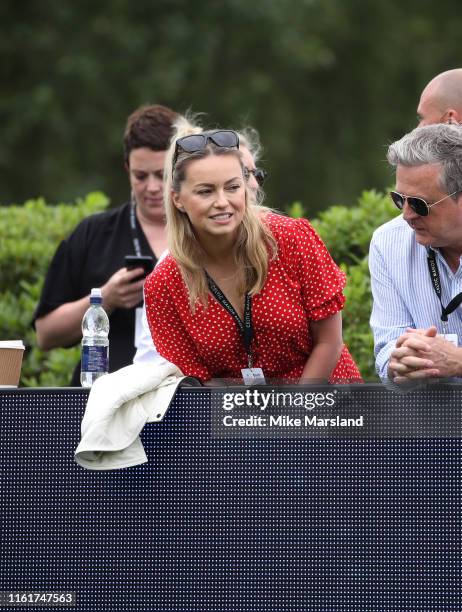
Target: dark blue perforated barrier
column 221, row 525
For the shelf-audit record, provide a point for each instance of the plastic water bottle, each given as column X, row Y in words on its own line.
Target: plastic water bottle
column 95, row 342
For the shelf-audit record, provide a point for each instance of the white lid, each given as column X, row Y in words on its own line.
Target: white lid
column 96, row 293
column 14, row 344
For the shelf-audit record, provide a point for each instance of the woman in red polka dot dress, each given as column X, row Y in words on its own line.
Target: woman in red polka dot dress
column 244, row 293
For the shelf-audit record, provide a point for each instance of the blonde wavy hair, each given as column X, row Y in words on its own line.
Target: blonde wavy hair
column 255, row 245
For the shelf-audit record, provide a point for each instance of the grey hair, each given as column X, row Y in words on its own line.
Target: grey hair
column 439, row 143
column 249, row 138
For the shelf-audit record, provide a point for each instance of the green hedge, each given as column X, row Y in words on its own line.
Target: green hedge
column 31, row 232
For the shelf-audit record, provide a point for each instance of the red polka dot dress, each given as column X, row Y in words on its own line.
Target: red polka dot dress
column 303, row 284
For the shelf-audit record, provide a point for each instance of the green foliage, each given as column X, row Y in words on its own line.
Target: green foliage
column 356, row 331
column 296, row 210
column 30, row 235
column 324, row 82
column 347, row 233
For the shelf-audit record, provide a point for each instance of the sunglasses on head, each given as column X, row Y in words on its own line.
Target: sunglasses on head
column 194, row 143
column 418, row 205
column 259, row 174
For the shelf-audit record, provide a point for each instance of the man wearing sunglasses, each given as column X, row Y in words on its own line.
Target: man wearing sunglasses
column 415, row 260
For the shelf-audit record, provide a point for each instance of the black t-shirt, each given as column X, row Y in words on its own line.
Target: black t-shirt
column 87, row 259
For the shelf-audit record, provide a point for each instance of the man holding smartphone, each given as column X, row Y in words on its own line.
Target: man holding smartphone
column 94, row 254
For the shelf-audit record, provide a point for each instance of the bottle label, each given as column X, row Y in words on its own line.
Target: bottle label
column 95, row 359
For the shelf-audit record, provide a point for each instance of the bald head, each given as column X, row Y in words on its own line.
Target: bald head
column 441, row 100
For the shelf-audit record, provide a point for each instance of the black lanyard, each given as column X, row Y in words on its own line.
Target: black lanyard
column 435, row 278
column 245, row 327
column 135, row 230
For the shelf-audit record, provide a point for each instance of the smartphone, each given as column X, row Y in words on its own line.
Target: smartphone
column 140, row 261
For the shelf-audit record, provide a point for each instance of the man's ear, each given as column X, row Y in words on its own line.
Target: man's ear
column 452, row 116
column 176, row 200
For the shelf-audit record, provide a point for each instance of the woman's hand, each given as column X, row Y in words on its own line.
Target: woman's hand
column 123, row 290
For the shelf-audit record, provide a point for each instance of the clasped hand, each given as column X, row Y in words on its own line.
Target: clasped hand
column 422, row 353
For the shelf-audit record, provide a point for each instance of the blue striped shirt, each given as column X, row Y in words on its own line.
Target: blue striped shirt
column 403, row 293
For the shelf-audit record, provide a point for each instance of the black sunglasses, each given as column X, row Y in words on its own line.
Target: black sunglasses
column 194, row 143
column 259, row 174
column 418, row 205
